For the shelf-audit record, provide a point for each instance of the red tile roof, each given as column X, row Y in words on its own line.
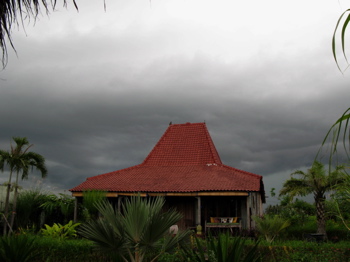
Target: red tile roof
column 184, row 160
column 184, row 145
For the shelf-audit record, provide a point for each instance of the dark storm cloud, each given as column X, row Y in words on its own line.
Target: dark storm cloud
column 97, row 99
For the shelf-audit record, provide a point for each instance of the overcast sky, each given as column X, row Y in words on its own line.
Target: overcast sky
column 94, row 90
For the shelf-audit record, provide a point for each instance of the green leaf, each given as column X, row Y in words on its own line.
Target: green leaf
column 344, row 27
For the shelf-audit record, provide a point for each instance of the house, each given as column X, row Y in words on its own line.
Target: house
column 185, row 167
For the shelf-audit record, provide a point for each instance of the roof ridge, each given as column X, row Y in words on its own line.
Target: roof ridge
column 242, row 171
column 212, row 147
column 113, row 172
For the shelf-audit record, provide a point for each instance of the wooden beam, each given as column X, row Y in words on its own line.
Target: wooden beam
column 75, row 218
column 144, row 194
column 215, row 193
column 199, row 215
column 108, row 194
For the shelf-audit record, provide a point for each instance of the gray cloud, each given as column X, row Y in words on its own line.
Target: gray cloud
column 96, row 98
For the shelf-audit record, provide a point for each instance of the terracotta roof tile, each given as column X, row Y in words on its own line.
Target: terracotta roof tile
column 184, row 144
column 184, row 160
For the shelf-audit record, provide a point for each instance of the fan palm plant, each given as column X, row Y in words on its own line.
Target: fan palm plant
column 18, row 159
column 224, row 248
column 270, row 226
column 21, row 248
column 316, row 181
column 139, row 230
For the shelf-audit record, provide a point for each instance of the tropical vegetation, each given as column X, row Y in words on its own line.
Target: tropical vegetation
column 270, row 226
column 54, row 239
column 19, row 160
column 223, row 248
column 317, row 181
column 136, row 232
column 90, row 197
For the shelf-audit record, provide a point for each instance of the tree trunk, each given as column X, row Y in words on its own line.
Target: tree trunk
column 320, row 214
column 7, row 203
column 14, row 205
column 13, row 214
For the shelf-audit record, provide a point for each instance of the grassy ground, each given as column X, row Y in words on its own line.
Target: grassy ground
column 72, row 250
column 306, row 251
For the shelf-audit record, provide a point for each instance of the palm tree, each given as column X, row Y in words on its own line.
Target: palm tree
column 137, row 232
column 18, row 159
column 316, row 181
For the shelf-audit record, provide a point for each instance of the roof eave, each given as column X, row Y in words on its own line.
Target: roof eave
column 202, row 193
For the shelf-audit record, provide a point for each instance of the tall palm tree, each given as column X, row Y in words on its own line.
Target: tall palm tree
column 316, row 181
column 18, row 159
column 137, row 232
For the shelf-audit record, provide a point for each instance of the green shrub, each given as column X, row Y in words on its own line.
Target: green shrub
column 306, row 251
column 29, row 213
column 90, row 197
column 336, row 230
column 59, row 209
column 176, row 256
column 20, row 248
column 270, row 226
column 296, row 211
column 59, row 231
column 67, row 250
column 223, row 248
column 298, row 231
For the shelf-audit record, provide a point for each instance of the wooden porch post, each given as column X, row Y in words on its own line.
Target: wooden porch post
column 75, row 218
column 248, row 211
column 119, row 203
column 198, row 217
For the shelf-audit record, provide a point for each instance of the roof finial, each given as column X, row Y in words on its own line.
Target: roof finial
column 171, row 122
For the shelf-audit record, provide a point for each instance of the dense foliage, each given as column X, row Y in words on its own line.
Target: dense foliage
column 138, row 232
column 19, row 161
column 317, row 181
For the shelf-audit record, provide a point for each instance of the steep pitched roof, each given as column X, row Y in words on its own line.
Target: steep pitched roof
column 184, row 160
column 184, row 145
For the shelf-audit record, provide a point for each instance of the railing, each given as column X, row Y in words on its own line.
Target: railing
column 226, row 223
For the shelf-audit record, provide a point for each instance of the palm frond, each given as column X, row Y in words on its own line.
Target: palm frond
column 139, row 229
column 224, row 248
column 294, row 187
column 338, row 131
column 14, row 12
column 345, row 23
column 270, row 226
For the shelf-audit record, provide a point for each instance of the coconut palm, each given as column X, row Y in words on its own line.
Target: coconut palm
column 139, row 231
column 317, row 181
column 18, row 159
